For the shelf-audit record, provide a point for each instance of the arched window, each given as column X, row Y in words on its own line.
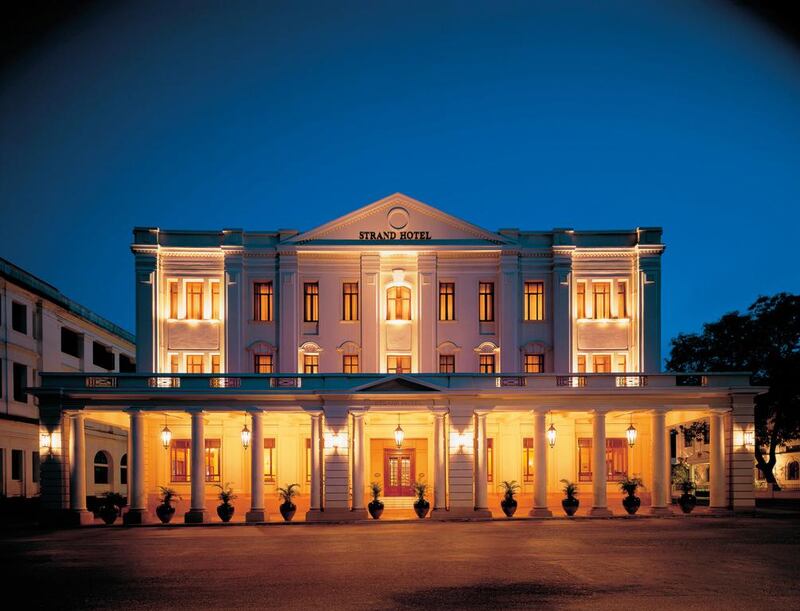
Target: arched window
column 398, row 303
column 123, row 470
column 793, row 470
column 101, row 468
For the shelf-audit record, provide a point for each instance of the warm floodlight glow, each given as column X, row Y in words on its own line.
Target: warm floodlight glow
column 245, row 437
column 46, row 441
column 551, row 435
column 166, row 437
column 631, row 434
column 749, row 439
column 335, row 440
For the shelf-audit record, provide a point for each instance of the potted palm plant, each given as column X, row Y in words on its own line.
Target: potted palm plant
column 375, row 506
column 687, row 500
column 629, row 485
column 225, row 509
column 165, row 510
column 421, row 505
column 111, row 506
column 570, row 503
column 288, row 508
column 509, row 503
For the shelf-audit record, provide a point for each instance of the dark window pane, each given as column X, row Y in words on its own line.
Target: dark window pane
column 71, row 342
column 19, row 317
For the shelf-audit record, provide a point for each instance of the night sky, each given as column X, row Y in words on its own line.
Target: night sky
column 683, row 114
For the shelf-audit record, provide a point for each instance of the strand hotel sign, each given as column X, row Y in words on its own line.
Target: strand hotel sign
column 398, row 221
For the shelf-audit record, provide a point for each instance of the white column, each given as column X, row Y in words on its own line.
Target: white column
column 717, row 497
column 316, row 462
column 137, row 500
column 599, row 475
column 77, row 467
column 359, row 455
column 659, row 487
column 197, row 509
column 257, row 513
column 481, row 496
column 439, row 474
column 540, row 466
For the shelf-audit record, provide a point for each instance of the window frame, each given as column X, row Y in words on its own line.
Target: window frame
column 533, row 298
column 268, row 364
column 350, row 364
column 601, row 298
column 188, row 366
column 195, row 302
column 19, row 317
column 350, row 301
column 450, row 365
column 102, row 468
column 528, row 460
column 270, row 453
column 447, row 301
column 401, row 300
column 19, row 372
column 397, row 357
column 533, row 362
column 311, row 301
column 487, row 362
column 263, row 301
column 616, row 449
column 485, row 301
column 310, row 363
column 580, row 300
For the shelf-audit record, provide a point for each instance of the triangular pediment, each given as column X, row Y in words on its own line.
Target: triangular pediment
column 401, row 219
column 397, row 383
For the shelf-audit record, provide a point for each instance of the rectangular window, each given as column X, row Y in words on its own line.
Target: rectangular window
column 447, row 301
column 486, row 363
column 173, row 300
column 310, row 363
column 486, row 301
column 350, row 363
column 262, row 363
column 194, row 363
column 398, row 364
column 269, row 459
column 194, row 300
column 447, row 363
column 350, row 301
column 489, row 459
column 584, row 460
column 102, row 356
column 35, row 467
column 601, row 363
column 71, row 342
column 534, row 363
column 616, row 459
column 20, row 378
column 19, row 317
column 126, row 364
column 17, row 466
column 179, row 458
column 601, row 300
column 174, row 363
column 581, row 300
column 534, row 301
column 622, row 299
column 311, row 302
column 527, row 459
column 622, row 364
column 215, row 364
column 212, row 460
column 308, row 459
column 262, row 301
column 215, row 300
column 581, row 363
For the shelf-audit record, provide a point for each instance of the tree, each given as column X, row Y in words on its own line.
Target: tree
column 764, row 341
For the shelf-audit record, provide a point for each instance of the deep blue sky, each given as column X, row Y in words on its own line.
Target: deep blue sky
column 684, row 114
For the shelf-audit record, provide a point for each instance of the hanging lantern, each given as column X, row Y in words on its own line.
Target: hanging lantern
column 399, row 435
column 551, row 435
column 166, row 437
column 631, row 433
column 245, row 437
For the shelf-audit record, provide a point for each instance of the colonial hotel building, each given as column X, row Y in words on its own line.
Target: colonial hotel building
column 399, row 344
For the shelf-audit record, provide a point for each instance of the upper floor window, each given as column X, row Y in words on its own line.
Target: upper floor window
column 194, row 300
column 350, row 301
column 486, row 301
column 310, row 363
column 126, row 364
column 447, row 363
column 601, row 299
column 102, row 356
column 215, row 300
column 534, row 301
column 398, row 364
column 20, row 379
column 71, row 342
column 262, row 301
column 534, row 363
column 601, row 363
column 194, row 363
column 173, row 299
column 622, row 299
column 447, row 301
column 350, row 363
column 581, row 363
column 216, row 366
column 398, row 303
column 262, row 363
column 311, row 302
column 581, row 300
column 19, row 317
column 622, row 363
column 174, row 363
column 486, row 364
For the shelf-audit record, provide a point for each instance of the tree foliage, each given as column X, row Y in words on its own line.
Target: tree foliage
column 764, row 341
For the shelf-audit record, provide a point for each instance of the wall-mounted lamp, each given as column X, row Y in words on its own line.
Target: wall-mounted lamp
column 459, row 440
column 631, row 433
column 551, row 434
column 749, row 439
column 46, row 441
column 245, row 437
column 166, row 435
column 399, row 434
column 335, row 441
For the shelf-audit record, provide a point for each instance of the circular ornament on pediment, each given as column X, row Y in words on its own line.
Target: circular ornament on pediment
column 398, row 218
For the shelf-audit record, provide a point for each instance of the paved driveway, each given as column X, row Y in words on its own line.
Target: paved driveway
column 700, row 563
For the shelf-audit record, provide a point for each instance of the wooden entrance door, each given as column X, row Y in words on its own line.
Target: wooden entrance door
column 398, row 472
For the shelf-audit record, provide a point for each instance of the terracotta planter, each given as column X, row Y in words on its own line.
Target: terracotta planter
column 631, row 503
column 288, row 510
column 509, row 506
column 421, row 507
column 375, row 509
column 570, row 505
column 687, row 502
column 225, row 512
column 165, row 513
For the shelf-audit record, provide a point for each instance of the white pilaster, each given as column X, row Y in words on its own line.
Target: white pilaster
column 370, row 313
column 359, row 460
column 428, row 313
column 257, row 512
column 137, row 499
column 741, row 455
column 288, row 323
column 599, row 475
column 509, row 310
column 77, row 469
column 540, row 466
column 659, row 487
column 717, row 497
column 197, row 510
column 481, row 474
column 146, row 311
column 316, row 461
column 439, row 454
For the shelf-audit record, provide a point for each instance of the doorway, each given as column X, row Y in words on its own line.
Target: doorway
column 398, row 472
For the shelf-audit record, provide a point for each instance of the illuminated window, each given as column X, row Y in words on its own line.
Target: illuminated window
column 269, row 459
column 262, row 363
column 534, row 301
column 486, row 301
column 622, row 364
column 350, row 301
column 489, row 459
column 398, row 303
column 308, row 459
column 215, row 300
column 486, row 363
column 101, row 468
column 174, row 363
column 173, row 300
column 581, row 300
column 601, row 299
column 616, row 459
column 350, row 363
column 194, row 300
column 447, row 301
column 194, row 363
column 262, row 301
column 581, row 363
column 179, row 456
column 622, row 299
column 527, row 459
column 447, row 363
column 215, row 364
column 584, row 460
column 793, row 471
column 601, row 363
column 310, row 363
column 311, row 302
column 534, row 363
column 398, row 364
column 212, row 460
